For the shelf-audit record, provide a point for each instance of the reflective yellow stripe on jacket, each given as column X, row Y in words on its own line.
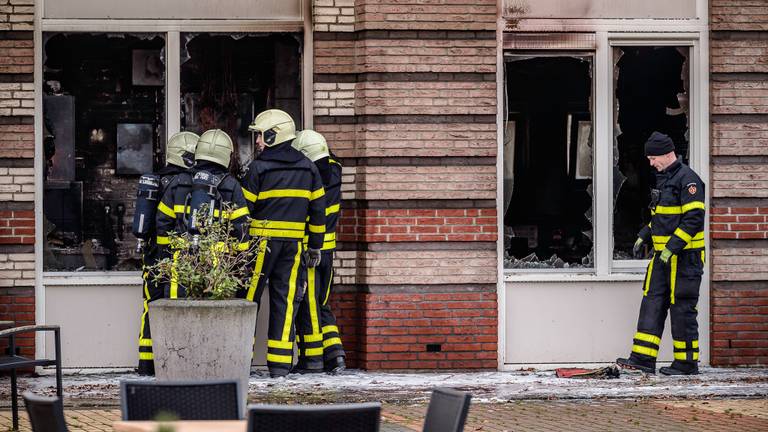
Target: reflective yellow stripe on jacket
column 329, row 241
column 267, row 228
column 695, row 242
column 676, row 210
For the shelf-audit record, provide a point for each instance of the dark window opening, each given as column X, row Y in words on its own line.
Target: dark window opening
column 103, row 110
column 227, row 79
column 651, row 94
column 548, row 162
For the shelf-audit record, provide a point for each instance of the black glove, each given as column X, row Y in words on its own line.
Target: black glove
column 312, row 257
column 637, row 249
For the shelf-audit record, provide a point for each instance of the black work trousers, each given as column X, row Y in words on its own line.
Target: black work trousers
column 150, row 292
column 318, row 335
column 675, row 287
column 280, row 266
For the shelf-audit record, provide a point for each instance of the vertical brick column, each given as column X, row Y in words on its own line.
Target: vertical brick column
column 406, row 96
column 739, row 228
column 17, row 207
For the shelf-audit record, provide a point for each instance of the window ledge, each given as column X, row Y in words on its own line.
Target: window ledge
column 102, row 278
column 570, row 277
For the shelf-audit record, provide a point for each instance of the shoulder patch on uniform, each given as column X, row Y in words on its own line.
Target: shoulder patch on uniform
column 691, row 188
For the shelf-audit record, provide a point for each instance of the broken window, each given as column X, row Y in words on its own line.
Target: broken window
column 548, row 162
column 227, row 79
column 104, row 125
column 651, row 94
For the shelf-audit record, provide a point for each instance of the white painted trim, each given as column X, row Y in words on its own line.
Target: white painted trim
column 573, row 277
column 38, row 165
column 162, row 26
column 611, row 25
column 103, row 278
column 172, row 83
column 500, row 117
column 602, row 179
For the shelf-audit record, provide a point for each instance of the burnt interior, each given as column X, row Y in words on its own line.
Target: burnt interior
column 104, row 125
column 548, row 217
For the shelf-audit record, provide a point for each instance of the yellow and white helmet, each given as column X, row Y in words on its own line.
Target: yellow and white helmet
column 178, row 144
column 312, row 144
column 216, row 146
column 276, row 126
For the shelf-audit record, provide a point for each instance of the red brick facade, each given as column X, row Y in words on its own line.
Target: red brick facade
column 405, row 90
column 17, row 224
column 739, row 181
column 406, row 94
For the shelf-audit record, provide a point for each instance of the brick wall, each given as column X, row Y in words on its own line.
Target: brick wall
column 17, row 230
column 739, row 229
column 405, row 93
column 410, row 225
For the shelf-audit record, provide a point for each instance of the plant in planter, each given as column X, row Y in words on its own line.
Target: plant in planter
column 208, row 333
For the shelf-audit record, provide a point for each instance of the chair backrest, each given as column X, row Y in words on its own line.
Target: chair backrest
column 359, row 417
column 447, row 411
column 199, row 400
column 46, row 414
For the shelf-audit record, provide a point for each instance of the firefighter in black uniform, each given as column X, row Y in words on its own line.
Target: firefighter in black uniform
column 674, row 273
column 179, row 156
column 210, row 176
column 320, row 345
column 287, row 201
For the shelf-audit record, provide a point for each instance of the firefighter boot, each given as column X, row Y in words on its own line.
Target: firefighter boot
column 681, row 368
column 634, row 363
column 302, row 369
column 335, row 365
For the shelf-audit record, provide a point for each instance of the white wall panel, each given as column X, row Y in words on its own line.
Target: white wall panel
column 580, row 322
column 576, row 9
column 100, row 325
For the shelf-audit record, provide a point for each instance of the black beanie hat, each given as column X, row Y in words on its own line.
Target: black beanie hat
column 658, row 144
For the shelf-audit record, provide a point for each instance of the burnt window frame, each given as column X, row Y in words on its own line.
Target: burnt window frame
column 591, row 55
column 605, row 267
column 170, row 31
column 698, row 138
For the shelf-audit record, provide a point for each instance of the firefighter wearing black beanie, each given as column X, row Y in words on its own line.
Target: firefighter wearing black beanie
column 674, row 274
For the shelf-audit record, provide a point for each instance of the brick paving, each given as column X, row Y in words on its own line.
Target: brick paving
column 645, row 415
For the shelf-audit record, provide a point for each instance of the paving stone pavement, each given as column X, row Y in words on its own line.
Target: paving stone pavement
column 647, row 415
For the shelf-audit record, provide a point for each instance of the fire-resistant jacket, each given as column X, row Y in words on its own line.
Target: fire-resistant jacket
column 332, row 203
column 677, row 220
column 173, row 211
column 285, row 196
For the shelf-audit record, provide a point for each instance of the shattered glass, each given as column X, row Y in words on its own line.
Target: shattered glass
column 651, row 94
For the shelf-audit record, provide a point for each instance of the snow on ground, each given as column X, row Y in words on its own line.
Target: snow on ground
column 414, row 387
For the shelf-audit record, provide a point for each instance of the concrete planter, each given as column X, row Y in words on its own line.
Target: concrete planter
column 203, row 340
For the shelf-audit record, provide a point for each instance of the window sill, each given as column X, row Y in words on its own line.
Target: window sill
column 559, row 277
column 102, row 278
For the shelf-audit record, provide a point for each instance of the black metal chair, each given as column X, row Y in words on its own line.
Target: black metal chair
column 447, row 411
column 361, row 417
column 185, row 400
column 12, row 361
column 46, row 414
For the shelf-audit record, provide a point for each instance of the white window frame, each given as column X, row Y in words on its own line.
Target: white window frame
column 607, row 36
column 171, row 31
